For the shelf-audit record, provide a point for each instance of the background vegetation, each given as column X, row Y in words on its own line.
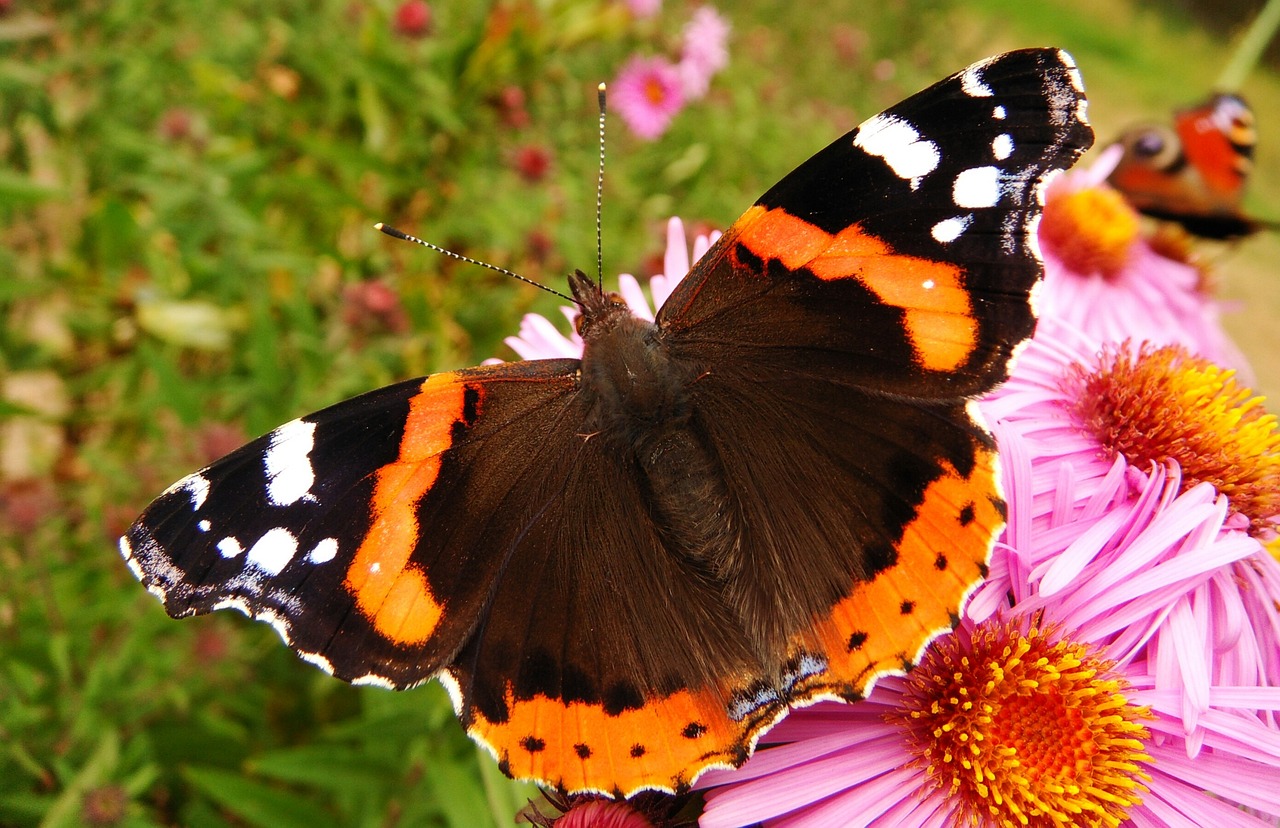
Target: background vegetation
column 187, row 259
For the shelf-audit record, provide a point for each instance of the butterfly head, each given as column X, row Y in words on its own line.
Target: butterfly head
column 597, row 310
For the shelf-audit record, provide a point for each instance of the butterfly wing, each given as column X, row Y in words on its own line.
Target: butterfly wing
column 840, row 329
column 318, row 526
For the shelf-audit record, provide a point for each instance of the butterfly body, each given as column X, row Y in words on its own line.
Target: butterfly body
column 626, row 567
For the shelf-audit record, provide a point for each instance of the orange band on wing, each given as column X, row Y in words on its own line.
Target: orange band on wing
column 391, row 593
column 942, row 556
column 578, row 746
column 938, row 311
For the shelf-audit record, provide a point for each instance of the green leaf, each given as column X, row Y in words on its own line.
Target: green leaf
column 256, row 803
column 323, row 765
column 96, row 770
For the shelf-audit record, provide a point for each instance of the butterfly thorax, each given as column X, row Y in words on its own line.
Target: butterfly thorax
column 638, row 399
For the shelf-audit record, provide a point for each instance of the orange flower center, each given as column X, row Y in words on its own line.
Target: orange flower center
column 1167, row 404
column 1090, row 230
column 1023, row 728
column 654, row 91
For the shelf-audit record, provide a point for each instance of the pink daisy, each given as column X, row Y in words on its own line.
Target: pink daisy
column 647, row 94
column 1104, row 278
column 1046, row 711
column 1082, row 432
column 704, row 51
column 539, row 338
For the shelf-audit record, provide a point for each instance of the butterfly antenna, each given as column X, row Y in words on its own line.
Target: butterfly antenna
column 393, row 232
column 599, row 194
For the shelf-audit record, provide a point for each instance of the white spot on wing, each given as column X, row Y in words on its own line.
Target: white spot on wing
column 229, row 547
column 197, row 488
column 948, row 230
column 998, row 113
column 972, row 83
column 324, row 551
column 288, row 466
column 204, row 526
column 909, row 156
column 1002, row 146
column 977, row 187
column 273, row 551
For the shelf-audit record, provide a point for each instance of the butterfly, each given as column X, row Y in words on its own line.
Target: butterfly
column 625, row 568
column 1195, row 173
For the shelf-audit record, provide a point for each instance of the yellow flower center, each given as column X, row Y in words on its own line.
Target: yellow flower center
column 1090, row 230
column 1167, row 404
column 1025, row 729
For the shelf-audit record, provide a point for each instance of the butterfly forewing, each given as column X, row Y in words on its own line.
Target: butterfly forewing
column 625, row 568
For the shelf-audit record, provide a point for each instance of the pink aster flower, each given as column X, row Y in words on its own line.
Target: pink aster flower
column 539, row 338
column 1103, row 277
column 1048, row 710
column 647, row 94
column 704, row 51
column 1081, row 430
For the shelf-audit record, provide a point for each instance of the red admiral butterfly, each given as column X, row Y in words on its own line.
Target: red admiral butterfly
column 625, row 568
column 1195, row 173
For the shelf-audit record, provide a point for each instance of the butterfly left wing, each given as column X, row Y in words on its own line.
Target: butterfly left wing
column 315, row 526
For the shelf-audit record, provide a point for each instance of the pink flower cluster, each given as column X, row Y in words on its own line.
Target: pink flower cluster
column 650, row 91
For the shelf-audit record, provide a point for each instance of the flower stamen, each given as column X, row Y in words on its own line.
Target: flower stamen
column 1025, row 728
column 1167, row 404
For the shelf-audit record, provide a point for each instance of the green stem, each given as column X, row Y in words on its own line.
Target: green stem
column 1251, row 48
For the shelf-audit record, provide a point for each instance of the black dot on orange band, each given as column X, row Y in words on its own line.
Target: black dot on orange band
column 940, row 562
column 907, row 607
column 967, row 515
column 857, row 640
column 583, row 751
column 693, row 730
column 533, row 744
column 637, row 750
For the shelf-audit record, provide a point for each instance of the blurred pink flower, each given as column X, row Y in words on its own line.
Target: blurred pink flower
column 647, row 94
column 704, row 51
column 641, row 9
column 413, row 18
column 1103, row 277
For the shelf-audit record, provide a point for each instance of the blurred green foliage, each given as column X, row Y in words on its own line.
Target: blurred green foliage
column 187, row 259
